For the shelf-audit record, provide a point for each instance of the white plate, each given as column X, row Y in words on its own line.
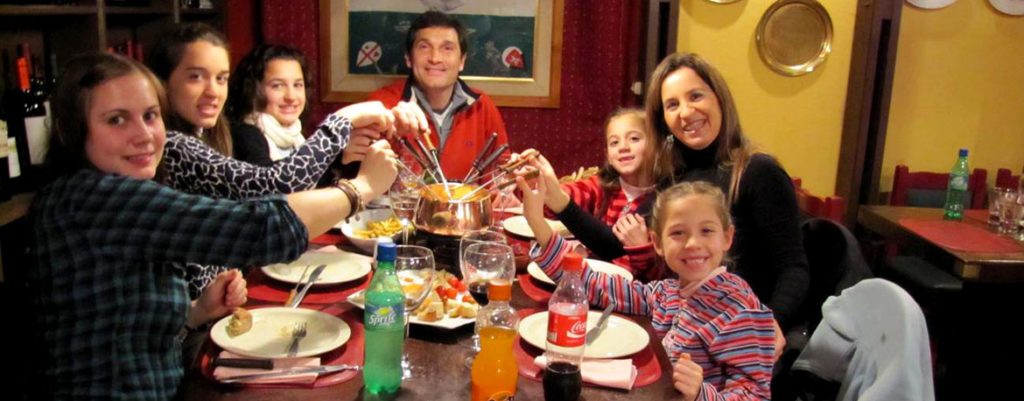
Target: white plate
column 448, row 323
column 270, row 335
column 517, row 225
column 595, row 265
column 620, row 338
column 341, row 267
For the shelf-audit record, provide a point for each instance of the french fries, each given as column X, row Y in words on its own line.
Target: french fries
column 383, row 228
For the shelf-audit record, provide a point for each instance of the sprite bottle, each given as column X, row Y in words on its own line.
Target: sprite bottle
column 385, row 324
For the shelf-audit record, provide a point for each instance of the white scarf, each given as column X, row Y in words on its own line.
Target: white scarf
column 289, row 137
column 632, row 191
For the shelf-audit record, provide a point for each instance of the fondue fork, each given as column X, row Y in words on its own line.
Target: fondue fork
column 434, row 164
column 488, row 161
column 500, row 174
column 437, row 162
column 479, row 157
column 416, row 156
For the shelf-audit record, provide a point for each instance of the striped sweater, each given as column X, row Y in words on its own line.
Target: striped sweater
column 723, row 326
column 591, row 197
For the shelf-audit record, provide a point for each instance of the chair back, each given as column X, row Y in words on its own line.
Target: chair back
column 829, row 207
column 926, row 189
column 1006, row 179
column 836, row 263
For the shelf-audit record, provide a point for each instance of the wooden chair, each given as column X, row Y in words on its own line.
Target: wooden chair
column 1006, row 179
column 927, row 189
column 829, row 207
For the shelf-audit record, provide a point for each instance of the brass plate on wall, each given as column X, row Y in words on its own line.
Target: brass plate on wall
column 723, row 1
column 794, row 36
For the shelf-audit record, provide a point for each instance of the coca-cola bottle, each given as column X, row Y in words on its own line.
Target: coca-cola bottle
column 567, row 329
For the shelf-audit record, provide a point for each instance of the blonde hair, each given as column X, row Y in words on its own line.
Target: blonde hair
column 734, row 150
column 685, row 189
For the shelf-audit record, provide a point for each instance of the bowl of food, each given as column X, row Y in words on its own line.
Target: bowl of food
column 365, row 227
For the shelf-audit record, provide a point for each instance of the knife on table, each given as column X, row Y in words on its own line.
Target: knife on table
column 265, row 364
column 309, row 283
column 601, row 324
column 296, row 371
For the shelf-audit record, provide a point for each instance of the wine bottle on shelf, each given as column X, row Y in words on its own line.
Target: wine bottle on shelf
column 26, row 124
column 5, row 175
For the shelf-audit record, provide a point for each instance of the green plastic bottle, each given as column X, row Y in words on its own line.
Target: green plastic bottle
column 956, row 191
column 385, row 325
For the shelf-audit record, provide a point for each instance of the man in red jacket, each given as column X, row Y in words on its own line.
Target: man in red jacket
column 461, row 119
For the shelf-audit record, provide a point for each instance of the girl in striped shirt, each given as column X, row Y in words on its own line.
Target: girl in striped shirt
column 718, row 335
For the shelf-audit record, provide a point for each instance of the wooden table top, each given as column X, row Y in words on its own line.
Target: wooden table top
column 438, row 373
column 980, row 266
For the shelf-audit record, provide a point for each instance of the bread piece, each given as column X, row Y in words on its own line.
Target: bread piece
column 468, row 310
column 432, row 312
column 241, row 322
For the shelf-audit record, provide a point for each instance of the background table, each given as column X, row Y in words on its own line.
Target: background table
column 971, row 266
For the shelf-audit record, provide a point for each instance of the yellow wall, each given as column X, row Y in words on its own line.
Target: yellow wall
column 959, row 82
column 796, row 119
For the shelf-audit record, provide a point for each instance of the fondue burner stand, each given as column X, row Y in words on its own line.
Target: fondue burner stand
column 445, row 248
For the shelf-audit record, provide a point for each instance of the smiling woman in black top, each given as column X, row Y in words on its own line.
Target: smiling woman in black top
column 690, row 108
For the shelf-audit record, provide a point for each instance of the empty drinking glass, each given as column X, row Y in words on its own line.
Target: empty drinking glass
column 414, row 266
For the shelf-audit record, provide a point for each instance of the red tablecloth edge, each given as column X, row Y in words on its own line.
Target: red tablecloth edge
column 540, row 292
column 351, row 353
column 960, row 236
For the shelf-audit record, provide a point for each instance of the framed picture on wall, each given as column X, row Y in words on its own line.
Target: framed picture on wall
column 514, row 47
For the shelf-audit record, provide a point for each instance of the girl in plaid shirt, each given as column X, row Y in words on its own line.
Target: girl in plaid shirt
column 719, row 336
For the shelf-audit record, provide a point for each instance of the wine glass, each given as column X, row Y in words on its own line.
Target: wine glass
column 403, row 204
column 481, row 263
column 414, row 266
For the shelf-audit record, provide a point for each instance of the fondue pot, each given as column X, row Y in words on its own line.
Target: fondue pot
column 441, row 214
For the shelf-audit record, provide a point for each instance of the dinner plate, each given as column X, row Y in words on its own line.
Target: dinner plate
column 517, row 225
column 620, row 338
column 271, row 333
column 447, row 322
column 595, row 265
column 341, row 267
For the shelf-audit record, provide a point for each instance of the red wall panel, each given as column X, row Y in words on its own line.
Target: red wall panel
column 599, row 61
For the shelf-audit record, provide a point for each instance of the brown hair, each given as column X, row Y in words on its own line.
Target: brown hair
column 247, row 94
column 164, row 59
column 609, row 177
column 684, row 189
column 734, row 150
column 71, row 101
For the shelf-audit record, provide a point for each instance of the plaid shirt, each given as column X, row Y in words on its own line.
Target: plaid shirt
column 108, row 295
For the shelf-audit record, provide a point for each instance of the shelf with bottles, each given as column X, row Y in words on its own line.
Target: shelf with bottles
column 42, row 10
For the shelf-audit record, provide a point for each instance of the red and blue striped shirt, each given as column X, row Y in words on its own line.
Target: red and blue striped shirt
column 723, row 326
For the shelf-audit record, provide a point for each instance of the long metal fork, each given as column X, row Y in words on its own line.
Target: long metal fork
column 298, row 332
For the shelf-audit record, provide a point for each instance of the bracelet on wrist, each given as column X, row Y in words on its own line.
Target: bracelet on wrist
column 355, row 199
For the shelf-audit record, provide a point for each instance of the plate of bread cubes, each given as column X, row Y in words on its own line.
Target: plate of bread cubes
column 448, row 306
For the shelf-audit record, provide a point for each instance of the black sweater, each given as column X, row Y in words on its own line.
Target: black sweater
column 767, row 249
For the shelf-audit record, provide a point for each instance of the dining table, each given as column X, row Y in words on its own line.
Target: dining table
column 970, row 250
column 436, row 358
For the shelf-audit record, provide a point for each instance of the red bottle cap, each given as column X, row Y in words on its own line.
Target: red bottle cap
column 572, row 262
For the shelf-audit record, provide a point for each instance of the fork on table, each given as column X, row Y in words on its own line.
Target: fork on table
column 298, row 332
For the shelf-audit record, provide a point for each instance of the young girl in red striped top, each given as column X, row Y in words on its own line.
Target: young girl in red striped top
column 606, row 212
column 719, row 336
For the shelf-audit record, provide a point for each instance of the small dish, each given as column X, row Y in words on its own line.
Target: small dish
column 517, row 225
column 342, row 267
column 621, row 337
column 448, row 323
column 358, row 222
column 595, row 265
